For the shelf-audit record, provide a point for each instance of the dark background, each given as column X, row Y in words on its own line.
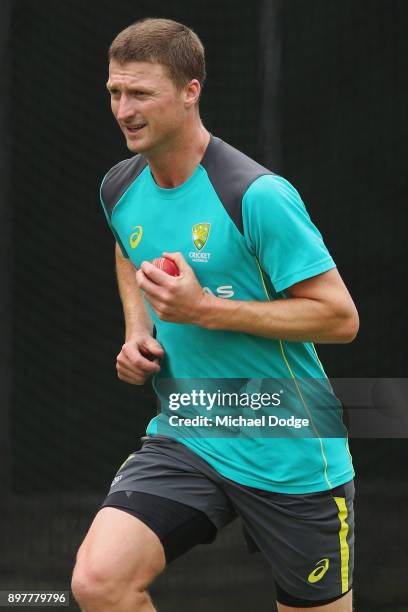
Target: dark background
column 314, row 89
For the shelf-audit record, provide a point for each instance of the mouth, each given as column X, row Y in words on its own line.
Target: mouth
column 134, row 129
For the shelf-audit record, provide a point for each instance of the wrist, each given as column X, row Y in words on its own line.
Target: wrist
column 206, row 311
column 137, row 334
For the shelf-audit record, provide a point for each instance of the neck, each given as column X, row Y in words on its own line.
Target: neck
column 177, row 163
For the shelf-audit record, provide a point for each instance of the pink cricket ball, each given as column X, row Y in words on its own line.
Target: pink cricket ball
column 167, row 265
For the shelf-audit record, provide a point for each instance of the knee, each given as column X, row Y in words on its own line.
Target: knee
column 96, row 590
column 92, row 588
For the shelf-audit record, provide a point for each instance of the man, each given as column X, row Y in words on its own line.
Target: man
column 256, row 288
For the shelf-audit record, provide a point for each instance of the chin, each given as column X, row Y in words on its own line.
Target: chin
column 135, row 147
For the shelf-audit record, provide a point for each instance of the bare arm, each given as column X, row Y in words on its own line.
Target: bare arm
column 320, row 308
column 140, row 354
column 137, row 318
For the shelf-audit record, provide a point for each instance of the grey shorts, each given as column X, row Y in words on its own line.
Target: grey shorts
column 308, row 539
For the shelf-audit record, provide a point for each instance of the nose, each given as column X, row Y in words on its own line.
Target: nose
column 125, row 108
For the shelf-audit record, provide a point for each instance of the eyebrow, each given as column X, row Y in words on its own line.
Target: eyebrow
column 141, row 88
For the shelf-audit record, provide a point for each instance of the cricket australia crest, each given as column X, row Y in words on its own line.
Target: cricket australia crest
column 201, row 232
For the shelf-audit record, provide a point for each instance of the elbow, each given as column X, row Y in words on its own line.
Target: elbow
column 347, row 330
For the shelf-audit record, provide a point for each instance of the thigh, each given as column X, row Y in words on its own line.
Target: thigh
column 171, row 490
column 308, row 540
column 119, row 549
column 177, row 526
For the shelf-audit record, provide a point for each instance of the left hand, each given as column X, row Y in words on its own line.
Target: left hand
column 179, row 299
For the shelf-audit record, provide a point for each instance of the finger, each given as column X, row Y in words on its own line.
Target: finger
column 153, row 347
column 149, row 356
column 156, row 275
column 143, row 279
column 151, row 289
column 129, row 354
column 140, row 364
column 124, row 372
column 161, row 310
column 132, row 380
column 139, row 377
column 140, row 277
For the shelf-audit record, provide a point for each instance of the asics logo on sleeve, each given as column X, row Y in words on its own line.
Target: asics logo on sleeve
column 136, row 236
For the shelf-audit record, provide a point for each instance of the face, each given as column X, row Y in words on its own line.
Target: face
column 146, row 104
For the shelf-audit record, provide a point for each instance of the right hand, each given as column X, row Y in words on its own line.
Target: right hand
column 139, row 359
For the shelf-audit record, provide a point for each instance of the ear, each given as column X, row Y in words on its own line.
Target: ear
column 192, row 93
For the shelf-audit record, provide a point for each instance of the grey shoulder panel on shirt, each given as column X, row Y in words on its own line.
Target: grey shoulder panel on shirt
column 119, row 178
column 231, row 173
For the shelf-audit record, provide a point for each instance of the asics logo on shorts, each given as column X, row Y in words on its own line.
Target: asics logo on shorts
column 319, row 571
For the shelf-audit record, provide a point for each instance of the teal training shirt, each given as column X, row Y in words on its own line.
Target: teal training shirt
column 247, row 235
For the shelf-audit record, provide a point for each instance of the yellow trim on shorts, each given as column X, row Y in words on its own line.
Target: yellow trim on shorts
column 297, row 386
column 344, row 547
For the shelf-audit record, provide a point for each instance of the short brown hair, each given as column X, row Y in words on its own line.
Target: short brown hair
column 165, row 42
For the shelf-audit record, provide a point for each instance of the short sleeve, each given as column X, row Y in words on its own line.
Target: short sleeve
column 280, row 233
column 108, row 219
